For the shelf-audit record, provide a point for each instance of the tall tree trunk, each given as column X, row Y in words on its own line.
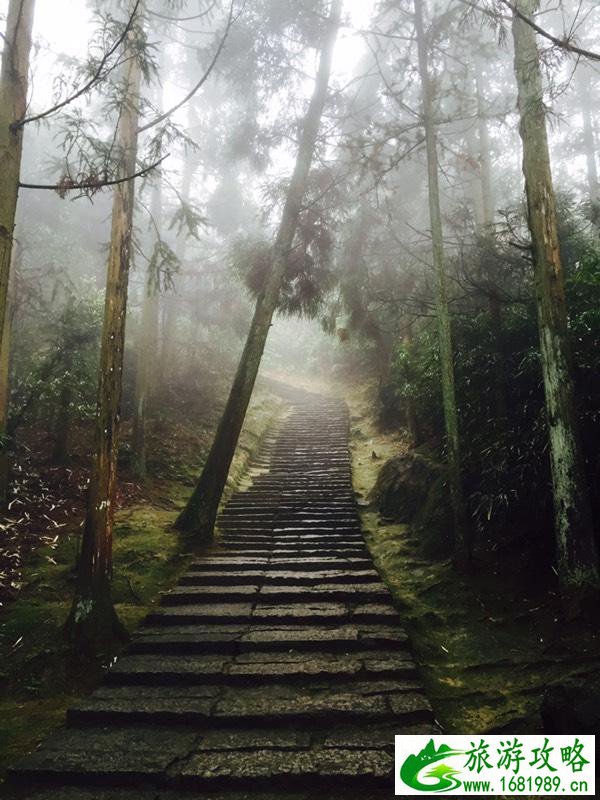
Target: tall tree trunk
column 412, row 418
column 146, row 350
column 576, row 552
column 5, row 434
column 485, row 161
column 200, row 512
column 487, row 231
column 93, row 622
column 62, row 423
column 589, row 143
column 63, row 417
column 168, row 349
column 462, row 545
column 14, row 75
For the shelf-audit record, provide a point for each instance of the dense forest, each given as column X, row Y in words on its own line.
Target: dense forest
column 208, row 205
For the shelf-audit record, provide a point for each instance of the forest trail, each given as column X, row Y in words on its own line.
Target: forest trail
column 276, row 668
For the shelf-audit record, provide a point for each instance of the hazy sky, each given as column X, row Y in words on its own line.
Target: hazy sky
column 62, row 27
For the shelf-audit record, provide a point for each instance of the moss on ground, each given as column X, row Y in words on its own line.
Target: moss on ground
column 39, row 676
column 487, row 649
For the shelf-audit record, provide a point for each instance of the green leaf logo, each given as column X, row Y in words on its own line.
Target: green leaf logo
column 426, row 766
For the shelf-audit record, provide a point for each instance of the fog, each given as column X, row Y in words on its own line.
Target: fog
column 401, row 204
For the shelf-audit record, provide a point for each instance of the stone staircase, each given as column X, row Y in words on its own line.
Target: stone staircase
column 276, row 668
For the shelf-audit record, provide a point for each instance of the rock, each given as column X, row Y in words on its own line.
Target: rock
column 402, row 486
column 412, row 489
column 572, row 706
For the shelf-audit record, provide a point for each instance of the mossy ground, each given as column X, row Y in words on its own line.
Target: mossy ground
column 487, row 647
column 40, row 677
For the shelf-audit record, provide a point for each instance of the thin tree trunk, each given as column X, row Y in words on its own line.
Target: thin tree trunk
column 4, row 404
column 63, row 413
column 576, row 552
column 487, row 231
column 14, row 75
column 93, row 622
column 200, row 512
column 462, row 544
column 168, row 350
column 485, row 161
column 589, row 144
column 412, row 419
column 146, row 351
column 63, row 417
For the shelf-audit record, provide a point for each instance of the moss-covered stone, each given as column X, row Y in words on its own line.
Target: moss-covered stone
column 412, row 488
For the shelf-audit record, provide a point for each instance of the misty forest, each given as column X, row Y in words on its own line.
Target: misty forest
column 299, row 388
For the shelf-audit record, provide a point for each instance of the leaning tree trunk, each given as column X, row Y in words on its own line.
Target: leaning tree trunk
column 576, row 552
column 201, row 510
column 93, row 623
column 14, row 75
column 462, row 545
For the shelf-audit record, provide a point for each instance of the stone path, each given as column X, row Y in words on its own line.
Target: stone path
column 277, row 668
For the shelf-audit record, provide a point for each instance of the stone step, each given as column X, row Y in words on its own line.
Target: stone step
column 276, row 611
column 295, row 577
column 217, row 563
column 316, row 592
column 254, row 668
column 270, row 637
column 133, row 762
column 235, row 538
column 76, row 792
column 355, row 701
column 295, row 549
column 276, row 670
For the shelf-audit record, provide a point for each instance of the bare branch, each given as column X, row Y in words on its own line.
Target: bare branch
column 230, row 21
column 564, row 43
column 184, row 19
column 96, row 78
column 93, row 184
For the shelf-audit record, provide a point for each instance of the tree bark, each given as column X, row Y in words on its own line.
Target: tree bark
column 576, row 552
column 93, row 623
column 14, row 75
column 5, row 434
column 462, row 544
column 199, row 515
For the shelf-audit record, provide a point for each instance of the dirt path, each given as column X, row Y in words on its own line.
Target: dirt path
column 276, row 668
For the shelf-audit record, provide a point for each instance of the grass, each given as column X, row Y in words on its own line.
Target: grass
column 40, row 676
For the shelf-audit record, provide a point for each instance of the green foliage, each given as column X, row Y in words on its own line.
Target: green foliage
column 308, row 277
column 61, row 351
column 505, row 450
